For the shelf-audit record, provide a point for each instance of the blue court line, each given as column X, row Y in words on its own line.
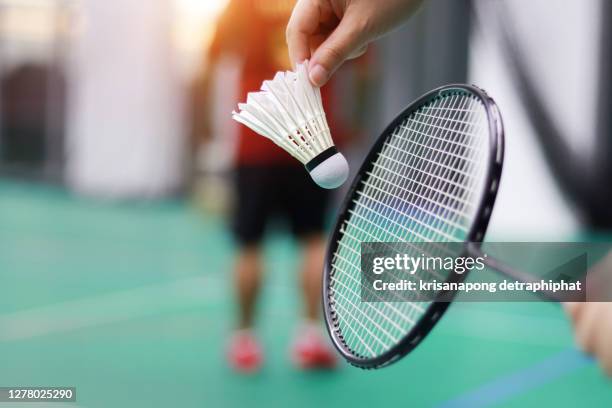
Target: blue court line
column 521, row 381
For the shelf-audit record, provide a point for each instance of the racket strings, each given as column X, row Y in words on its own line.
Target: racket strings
column 423, row 186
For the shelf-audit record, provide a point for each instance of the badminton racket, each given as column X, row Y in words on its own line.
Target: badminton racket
column 431, row 178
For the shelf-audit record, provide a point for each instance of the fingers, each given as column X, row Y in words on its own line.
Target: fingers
column 359, row 52
column 573, row 309
column 586, row 327
column 603, row 342
column 346, row 41
column 593, row 325
column 303, row 23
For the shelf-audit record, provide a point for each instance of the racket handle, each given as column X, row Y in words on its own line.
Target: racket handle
column 473, row 249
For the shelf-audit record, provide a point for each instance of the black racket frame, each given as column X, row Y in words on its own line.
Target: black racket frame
column 475, row 235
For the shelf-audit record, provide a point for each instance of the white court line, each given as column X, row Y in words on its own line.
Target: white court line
column 201, row 291
column 109, row 308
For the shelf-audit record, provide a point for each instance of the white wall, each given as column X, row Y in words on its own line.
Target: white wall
column 560, row 39
column 125, row 135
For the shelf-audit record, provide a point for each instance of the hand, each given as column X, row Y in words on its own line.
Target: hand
column 329, row 32
column 593, row 320
column 593, row 326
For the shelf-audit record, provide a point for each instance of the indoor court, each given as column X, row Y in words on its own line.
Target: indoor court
column 121, row 250
column 113, row 299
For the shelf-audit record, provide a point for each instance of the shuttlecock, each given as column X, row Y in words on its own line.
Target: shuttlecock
column 289, row 111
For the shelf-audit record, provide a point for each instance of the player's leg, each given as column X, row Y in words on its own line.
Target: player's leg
column 308, row 205
column 247, row 281
column 249, row 220
column 313, row 254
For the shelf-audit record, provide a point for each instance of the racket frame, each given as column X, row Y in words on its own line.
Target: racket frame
column 475, row 235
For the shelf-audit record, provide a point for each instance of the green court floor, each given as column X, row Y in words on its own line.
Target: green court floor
column 131, row 304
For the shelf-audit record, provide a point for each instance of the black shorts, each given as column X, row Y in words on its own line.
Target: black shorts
column 265, row 193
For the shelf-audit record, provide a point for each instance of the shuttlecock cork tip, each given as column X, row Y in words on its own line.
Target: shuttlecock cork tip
column 329, row 169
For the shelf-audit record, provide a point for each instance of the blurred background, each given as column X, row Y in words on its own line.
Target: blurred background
column 116, row 151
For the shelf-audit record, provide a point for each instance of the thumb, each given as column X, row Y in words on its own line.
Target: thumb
column 346, row 40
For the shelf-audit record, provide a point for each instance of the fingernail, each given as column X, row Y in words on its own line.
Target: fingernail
column 319, row 75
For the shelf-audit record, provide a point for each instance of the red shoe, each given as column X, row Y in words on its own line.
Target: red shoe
column 311, row 350
column 244, row 353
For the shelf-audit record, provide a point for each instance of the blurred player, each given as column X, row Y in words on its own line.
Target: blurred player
column 269, row 184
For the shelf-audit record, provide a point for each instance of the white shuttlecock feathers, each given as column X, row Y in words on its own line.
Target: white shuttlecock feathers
column 289, row 111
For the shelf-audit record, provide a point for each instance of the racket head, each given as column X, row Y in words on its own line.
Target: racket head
column 492, row 134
